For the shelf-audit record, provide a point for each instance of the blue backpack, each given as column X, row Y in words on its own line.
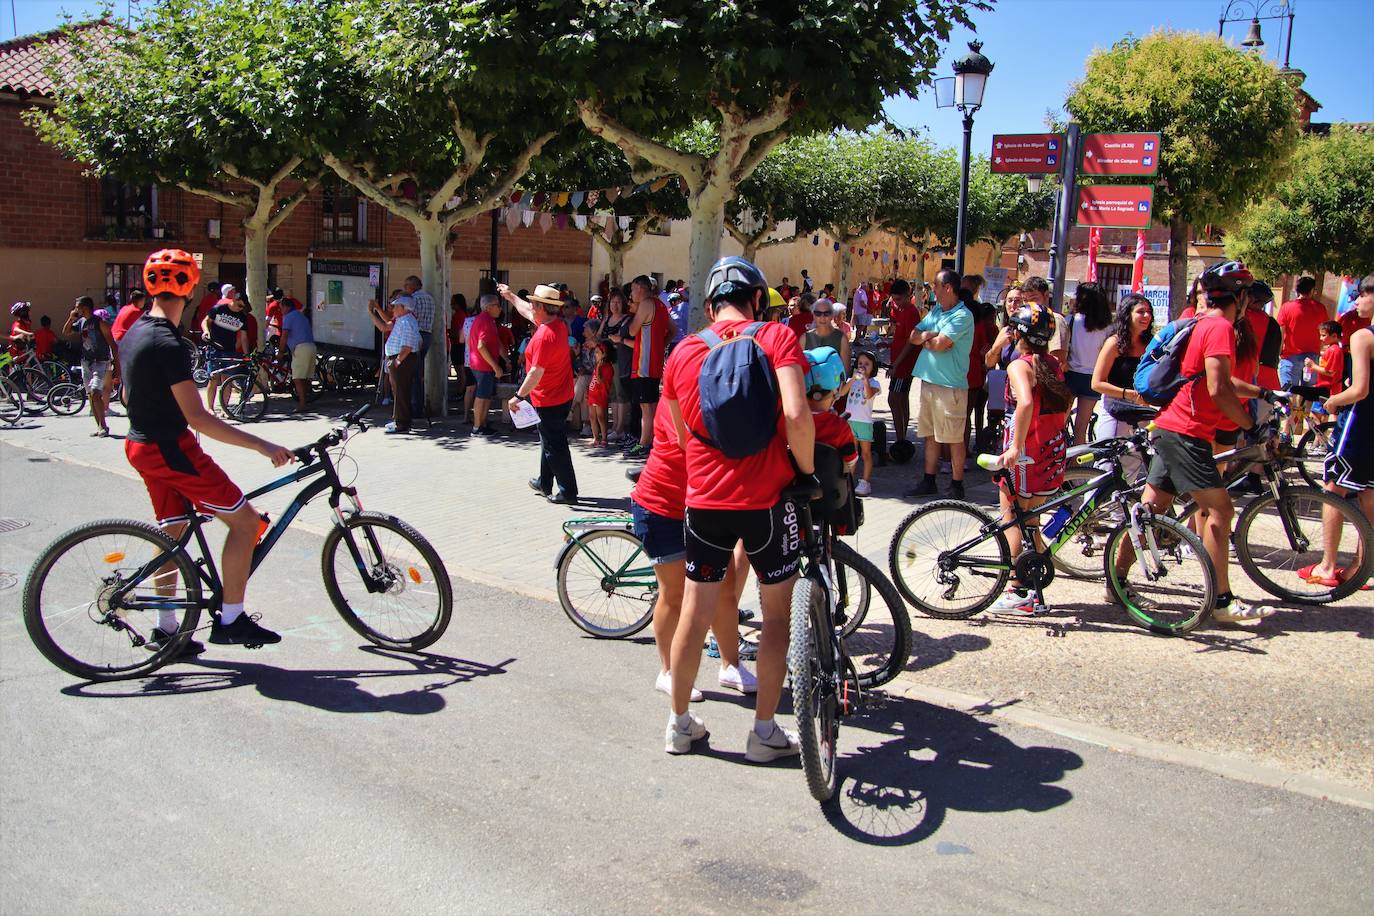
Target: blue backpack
column 1159, row 376
column 739, row 394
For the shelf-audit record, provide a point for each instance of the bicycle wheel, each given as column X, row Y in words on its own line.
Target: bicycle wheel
column 606, row 584
column 876, row 634
column 70, row 605
column 11, row 407
column 243, row 398
column 1081, row 555
column 815, row 688
column 1310, row 453
column 1277, row 537
column 397, row 593
column 32, row 386
column 56, row 371
column 1171, row 586
column 67, row 398
column 923, row 541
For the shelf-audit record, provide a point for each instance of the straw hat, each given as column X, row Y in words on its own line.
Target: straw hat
column 546, row 294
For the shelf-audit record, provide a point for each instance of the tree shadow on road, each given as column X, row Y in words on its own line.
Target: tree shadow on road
column 896, row 792
column 337, row 690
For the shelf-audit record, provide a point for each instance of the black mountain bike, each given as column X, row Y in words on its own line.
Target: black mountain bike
column 93, row 597
column 951, row 559
column 827, row 633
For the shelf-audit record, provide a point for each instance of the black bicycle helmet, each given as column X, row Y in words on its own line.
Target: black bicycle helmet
column 1260, row 293
column 1226, row 277
column 731, row 275
column 1034, row 323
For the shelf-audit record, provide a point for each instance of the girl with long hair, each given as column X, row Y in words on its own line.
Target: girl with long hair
column 1089, row 327
column 1131, row 331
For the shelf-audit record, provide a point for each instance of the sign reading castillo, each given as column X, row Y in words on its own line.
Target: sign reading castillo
column 1120, row 154
column 1027, row 154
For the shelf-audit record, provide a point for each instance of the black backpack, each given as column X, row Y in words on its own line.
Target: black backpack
column 739, row 394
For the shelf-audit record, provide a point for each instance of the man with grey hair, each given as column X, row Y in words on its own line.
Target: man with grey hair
column 422, row 308
column 484, row 359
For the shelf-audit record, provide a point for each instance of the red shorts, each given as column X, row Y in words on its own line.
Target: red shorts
column 178, row 473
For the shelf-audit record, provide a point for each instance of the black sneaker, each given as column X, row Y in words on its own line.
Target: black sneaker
column 244, row 631
column 160, row 637
column 924, row 488
column 956, row 489
column 563, row 498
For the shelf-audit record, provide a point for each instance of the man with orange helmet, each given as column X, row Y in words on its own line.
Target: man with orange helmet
column 164, row 408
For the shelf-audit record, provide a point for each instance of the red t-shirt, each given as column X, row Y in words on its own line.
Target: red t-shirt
column 125, row 320
column 273, row 312
column 1266, row 376
column 250, row 329
column 599, row 389
column 713, row 480
column 903, row 323
column 834, row 430
column 662, row 485
column 1351, row 322
column 1243, row 369
column 1301, row 320
column 651, row 343
column 19, row 324
column 548, row 348
column 800, row 322
column 483, row 330
column 507, row 337
column 1192, row 412
column 207, row 302
column 1332, row 369
column 44, row 340
column 977, row 369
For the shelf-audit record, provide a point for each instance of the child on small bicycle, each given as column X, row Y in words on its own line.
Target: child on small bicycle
column 824, row 379
column 1035, row 443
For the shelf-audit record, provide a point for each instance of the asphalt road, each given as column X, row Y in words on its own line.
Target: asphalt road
column 518, row 767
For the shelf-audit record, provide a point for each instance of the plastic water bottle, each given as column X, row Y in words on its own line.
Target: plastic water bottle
column 1057, row 521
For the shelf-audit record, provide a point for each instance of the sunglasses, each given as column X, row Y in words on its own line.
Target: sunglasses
column 822, row 314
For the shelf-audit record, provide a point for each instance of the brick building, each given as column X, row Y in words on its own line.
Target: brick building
column 64, row 234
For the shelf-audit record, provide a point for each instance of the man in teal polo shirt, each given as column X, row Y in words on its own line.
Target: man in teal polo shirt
column 945, row 336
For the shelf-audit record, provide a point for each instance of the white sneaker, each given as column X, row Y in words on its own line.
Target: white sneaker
column 664, row 684
column 1242, row 613
column 1012, row 604
column 781, row 743
column 738, row 678
column 680, row 742
column 862, row 488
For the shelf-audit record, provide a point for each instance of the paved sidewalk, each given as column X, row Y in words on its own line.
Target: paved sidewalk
column 1293, row 695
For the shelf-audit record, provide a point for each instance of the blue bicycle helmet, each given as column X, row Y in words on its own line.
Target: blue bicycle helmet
column 825, row 370
column 731, row 275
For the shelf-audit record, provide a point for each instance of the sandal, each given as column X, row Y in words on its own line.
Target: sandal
column 1305, row 574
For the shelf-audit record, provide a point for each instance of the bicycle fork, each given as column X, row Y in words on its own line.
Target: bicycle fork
column 1144, row 543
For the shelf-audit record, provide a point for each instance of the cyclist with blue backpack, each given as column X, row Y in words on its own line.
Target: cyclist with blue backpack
column 1187, row 371
column 737, row 397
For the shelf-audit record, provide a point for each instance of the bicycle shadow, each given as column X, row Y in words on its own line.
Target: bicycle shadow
column 1071, row 618
column 337, row 690
column 898, row 791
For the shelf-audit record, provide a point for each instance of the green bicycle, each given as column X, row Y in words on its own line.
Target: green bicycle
column 606, row 583
column 951, row 560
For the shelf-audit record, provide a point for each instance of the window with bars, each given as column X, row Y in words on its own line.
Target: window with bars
column 343, row 217
column 127, row 211
column 120, row 279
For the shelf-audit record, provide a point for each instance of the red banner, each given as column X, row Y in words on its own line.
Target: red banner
column 1027, row 154
column 1094, row 246
column 1115, row 206
column 1138, row 269
column 1120, row 154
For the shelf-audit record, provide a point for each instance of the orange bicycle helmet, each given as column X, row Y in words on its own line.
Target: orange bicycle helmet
column 170, row 270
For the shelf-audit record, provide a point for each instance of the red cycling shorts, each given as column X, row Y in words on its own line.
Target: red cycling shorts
column 178, row 473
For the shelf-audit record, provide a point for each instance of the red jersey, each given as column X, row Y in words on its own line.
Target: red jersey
column 1266, row 376
column 651, row 343
column 548, row 349
column 800, row 322
column 662, row 485
column 44, row 341
column 125, row 320
column 834, row 431
column 1192, row 412
column 904, row 321
column 713, row 480
column 1301, row 320
column 1351, row 322
column 1331, row 372
column 977, row 369
column 484, row 330
column 19, row 324
column 1243, row 369
column 273, row 312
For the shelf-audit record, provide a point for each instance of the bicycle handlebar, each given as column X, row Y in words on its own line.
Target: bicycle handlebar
column 306, row 453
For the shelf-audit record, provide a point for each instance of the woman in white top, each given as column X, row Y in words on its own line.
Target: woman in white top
column 1089, row 328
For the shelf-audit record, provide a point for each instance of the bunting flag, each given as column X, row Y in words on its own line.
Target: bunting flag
column 875, row 255
column 512, row 218
column 682, row 184
column 815, row 240
column 837, row 246
column 515, row 196
column 527, row 217
column 658, row 185
column 593, row 197
column 538, row 201
column 1138, row 268
column 885, row 256
column 545, row 221
column 1094, row 246
column 580, row 221
column 561, row 199
column 560, row 220
column 612, row 194
column 577, row 198
column 624, row 223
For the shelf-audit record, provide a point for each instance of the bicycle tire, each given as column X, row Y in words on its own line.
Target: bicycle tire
column 1080, row 557
column 11, row 407
column 243, row 398
column 56, row 371
column 878, row 644
column 1310, row 453
column 639, row 600
column 1259, row 564
column 815, row 701
column 1182, row 543
column 33, row 387
column 900, row 557
column 38, row 595
column 402, row 575
column 66, row 399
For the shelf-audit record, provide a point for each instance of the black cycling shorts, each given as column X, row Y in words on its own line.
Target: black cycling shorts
column 772, row 538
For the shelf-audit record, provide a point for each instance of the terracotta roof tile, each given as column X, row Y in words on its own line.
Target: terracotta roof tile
column 22, row 61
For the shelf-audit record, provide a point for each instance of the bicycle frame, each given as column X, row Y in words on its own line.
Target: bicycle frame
column 625, row 574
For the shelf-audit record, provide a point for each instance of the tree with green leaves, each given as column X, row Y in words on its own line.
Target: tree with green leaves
column 756, row 71
column 1320, row 217
column 776, row 192
column 1229, row 121
column 211, row 96
column 435, row 113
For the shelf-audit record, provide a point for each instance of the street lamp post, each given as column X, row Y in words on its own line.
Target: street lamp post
column 1255, row 10
column 969, row 80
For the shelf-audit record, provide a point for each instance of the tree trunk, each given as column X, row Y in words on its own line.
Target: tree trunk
column 255, row 236
column 1178, row 266
column 846, row 262
column 615, row 263
column 707, row 214
column 751, row 252
column 435, row 255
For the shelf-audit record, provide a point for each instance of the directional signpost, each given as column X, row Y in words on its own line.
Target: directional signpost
column 1027, row 154
column 1120, row 154
column 1116, row 206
